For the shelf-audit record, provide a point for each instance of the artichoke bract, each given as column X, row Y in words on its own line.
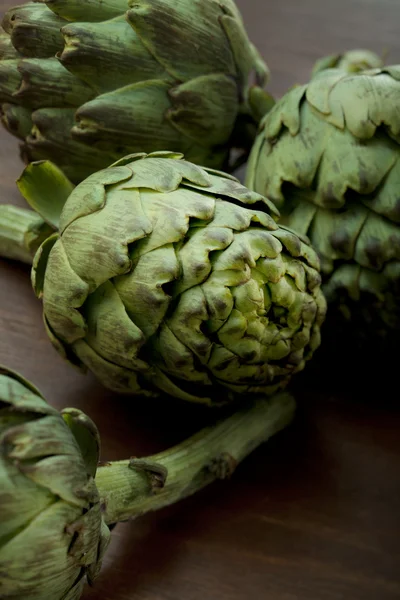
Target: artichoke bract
column 86, row 83
column 352, row 61
column 54, row 516
column 168, row 277
column 52, row 533
column 328, row 155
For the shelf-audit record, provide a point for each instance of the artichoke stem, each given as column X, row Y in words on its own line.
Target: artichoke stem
column 131, row 488
column 21, row 233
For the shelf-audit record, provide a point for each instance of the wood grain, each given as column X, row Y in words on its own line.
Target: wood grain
column 312, row 516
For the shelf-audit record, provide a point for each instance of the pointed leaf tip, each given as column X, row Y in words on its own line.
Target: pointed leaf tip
column 86, row 435
column 46, row 189
column 40, row 264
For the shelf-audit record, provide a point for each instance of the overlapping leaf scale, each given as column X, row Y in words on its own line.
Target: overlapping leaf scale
column 34, row 30
column 124, row 59
column 90, row 10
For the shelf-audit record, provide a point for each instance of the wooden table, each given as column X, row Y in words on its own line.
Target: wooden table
column 312, row 516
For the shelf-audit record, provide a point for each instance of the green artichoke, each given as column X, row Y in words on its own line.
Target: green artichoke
column 53, row 531
column 352, row 61
column 328, row 155
column 52, row 534
column 167, row 277
column 85, row 83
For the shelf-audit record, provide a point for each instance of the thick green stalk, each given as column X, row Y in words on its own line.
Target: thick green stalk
column 21, row 233
column 133, row 487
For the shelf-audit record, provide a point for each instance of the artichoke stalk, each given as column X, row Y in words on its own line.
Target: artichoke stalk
column 167, row 277
column 22, row 231
column 328, row 156
column 56, row 503
column 85, row 83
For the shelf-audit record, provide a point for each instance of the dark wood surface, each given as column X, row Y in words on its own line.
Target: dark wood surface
column 312, row 516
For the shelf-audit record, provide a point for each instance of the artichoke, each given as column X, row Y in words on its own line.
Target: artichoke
column 167, row 277
column 352, row 61
column 328, row 155
column 52, row 534
column 85, row 83
column 53, row 514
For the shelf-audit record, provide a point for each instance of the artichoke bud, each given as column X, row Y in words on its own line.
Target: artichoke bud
column 52, row 535
column 138, row 75
column 168, row 277
column 328, row 155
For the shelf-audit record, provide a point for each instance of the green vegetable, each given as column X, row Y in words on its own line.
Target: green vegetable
column 55, row 507
column 85, row 83
column 352, row 61
column 52, row 533
column 167, row 277
column 328, row 155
